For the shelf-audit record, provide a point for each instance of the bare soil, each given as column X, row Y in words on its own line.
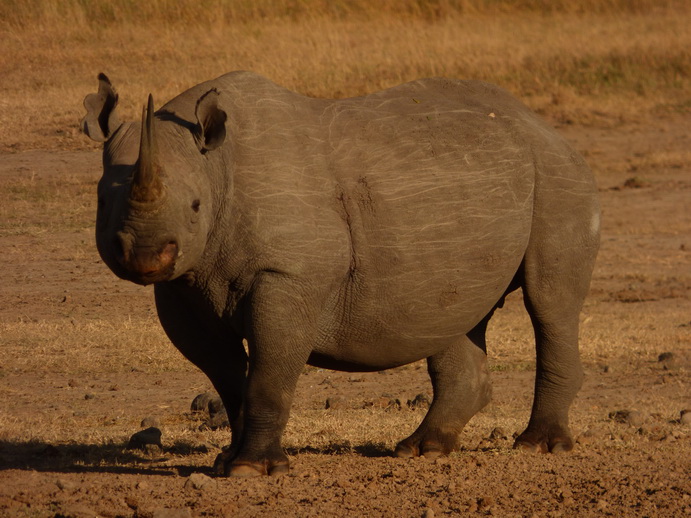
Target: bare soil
column 82, row 363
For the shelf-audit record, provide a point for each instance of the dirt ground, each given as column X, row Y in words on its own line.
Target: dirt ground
column 82, row 362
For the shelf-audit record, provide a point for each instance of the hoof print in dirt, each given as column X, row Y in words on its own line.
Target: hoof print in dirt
column 148, row 441
column 630, row 417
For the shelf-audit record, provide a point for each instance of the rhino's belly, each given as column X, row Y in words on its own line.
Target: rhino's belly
column 420, row 300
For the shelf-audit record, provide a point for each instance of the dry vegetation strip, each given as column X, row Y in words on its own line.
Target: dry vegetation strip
column 582, row 61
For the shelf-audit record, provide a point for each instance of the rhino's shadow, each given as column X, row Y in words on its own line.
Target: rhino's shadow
column 116, row 458
column 93, row 458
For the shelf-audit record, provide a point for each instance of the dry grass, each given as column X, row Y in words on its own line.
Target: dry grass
column 584, row 61
column 34, row 207
column 73, row 348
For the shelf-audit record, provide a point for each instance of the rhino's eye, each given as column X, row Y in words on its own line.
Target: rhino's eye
column 195, row 205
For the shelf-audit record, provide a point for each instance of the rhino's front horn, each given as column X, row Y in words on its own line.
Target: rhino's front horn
column 146, row 183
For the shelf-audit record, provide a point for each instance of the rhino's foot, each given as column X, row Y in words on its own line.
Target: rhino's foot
column 226, row 465
column 555, row 439
column 255, row 469
column 430, row 446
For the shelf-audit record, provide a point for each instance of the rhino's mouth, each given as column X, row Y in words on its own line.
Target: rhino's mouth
column 146, row 265
column 144, row 279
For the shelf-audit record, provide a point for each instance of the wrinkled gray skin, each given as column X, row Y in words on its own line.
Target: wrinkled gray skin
column 358, row 234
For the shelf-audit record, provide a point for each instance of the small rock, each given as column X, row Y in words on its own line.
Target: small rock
column 387, row 403
column 72, row 383
column 201, row 402
column 485, row 502
column 498, row 434
column 607, row 369
column 140, row 440
column 89, row 396
column 602, row 504
column 631, row 417
column 218, row 417
column 429, row 513
column 484, row 444
column 199, row 481
column 588, row 437
column 143, row 484
column 636, row 182
column 215, row 405
column 669, row 360
column 152, row 449
column 65, row 485
column 653, row 432
column 132, row 502
column 218, row 421
column 336, row 403
column 419, row 401
column 685, row 417
column 149, row 422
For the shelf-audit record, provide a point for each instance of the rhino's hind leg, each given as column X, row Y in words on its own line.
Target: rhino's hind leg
column 558, row 378
column 460, row 380
column 555, row 277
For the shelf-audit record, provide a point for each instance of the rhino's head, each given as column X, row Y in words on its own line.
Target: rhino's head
column 155, row 197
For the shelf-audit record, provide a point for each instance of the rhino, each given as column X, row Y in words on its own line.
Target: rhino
column 357, row 234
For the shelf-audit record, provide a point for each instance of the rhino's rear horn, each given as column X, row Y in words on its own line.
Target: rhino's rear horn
column 146, row 183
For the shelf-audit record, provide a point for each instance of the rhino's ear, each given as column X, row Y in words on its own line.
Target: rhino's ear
column 101, row 119
column 211, row 122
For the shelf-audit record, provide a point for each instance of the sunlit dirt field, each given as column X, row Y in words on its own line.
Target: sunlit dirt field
column 83, row 360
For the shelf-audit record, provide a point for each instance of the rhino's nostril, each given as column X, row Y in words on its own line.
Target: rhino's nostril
column 168, row 253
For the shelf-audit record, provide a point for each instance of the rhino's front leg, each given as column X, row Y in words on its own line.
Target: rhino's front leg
column 212, row 347
column 280, row 336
